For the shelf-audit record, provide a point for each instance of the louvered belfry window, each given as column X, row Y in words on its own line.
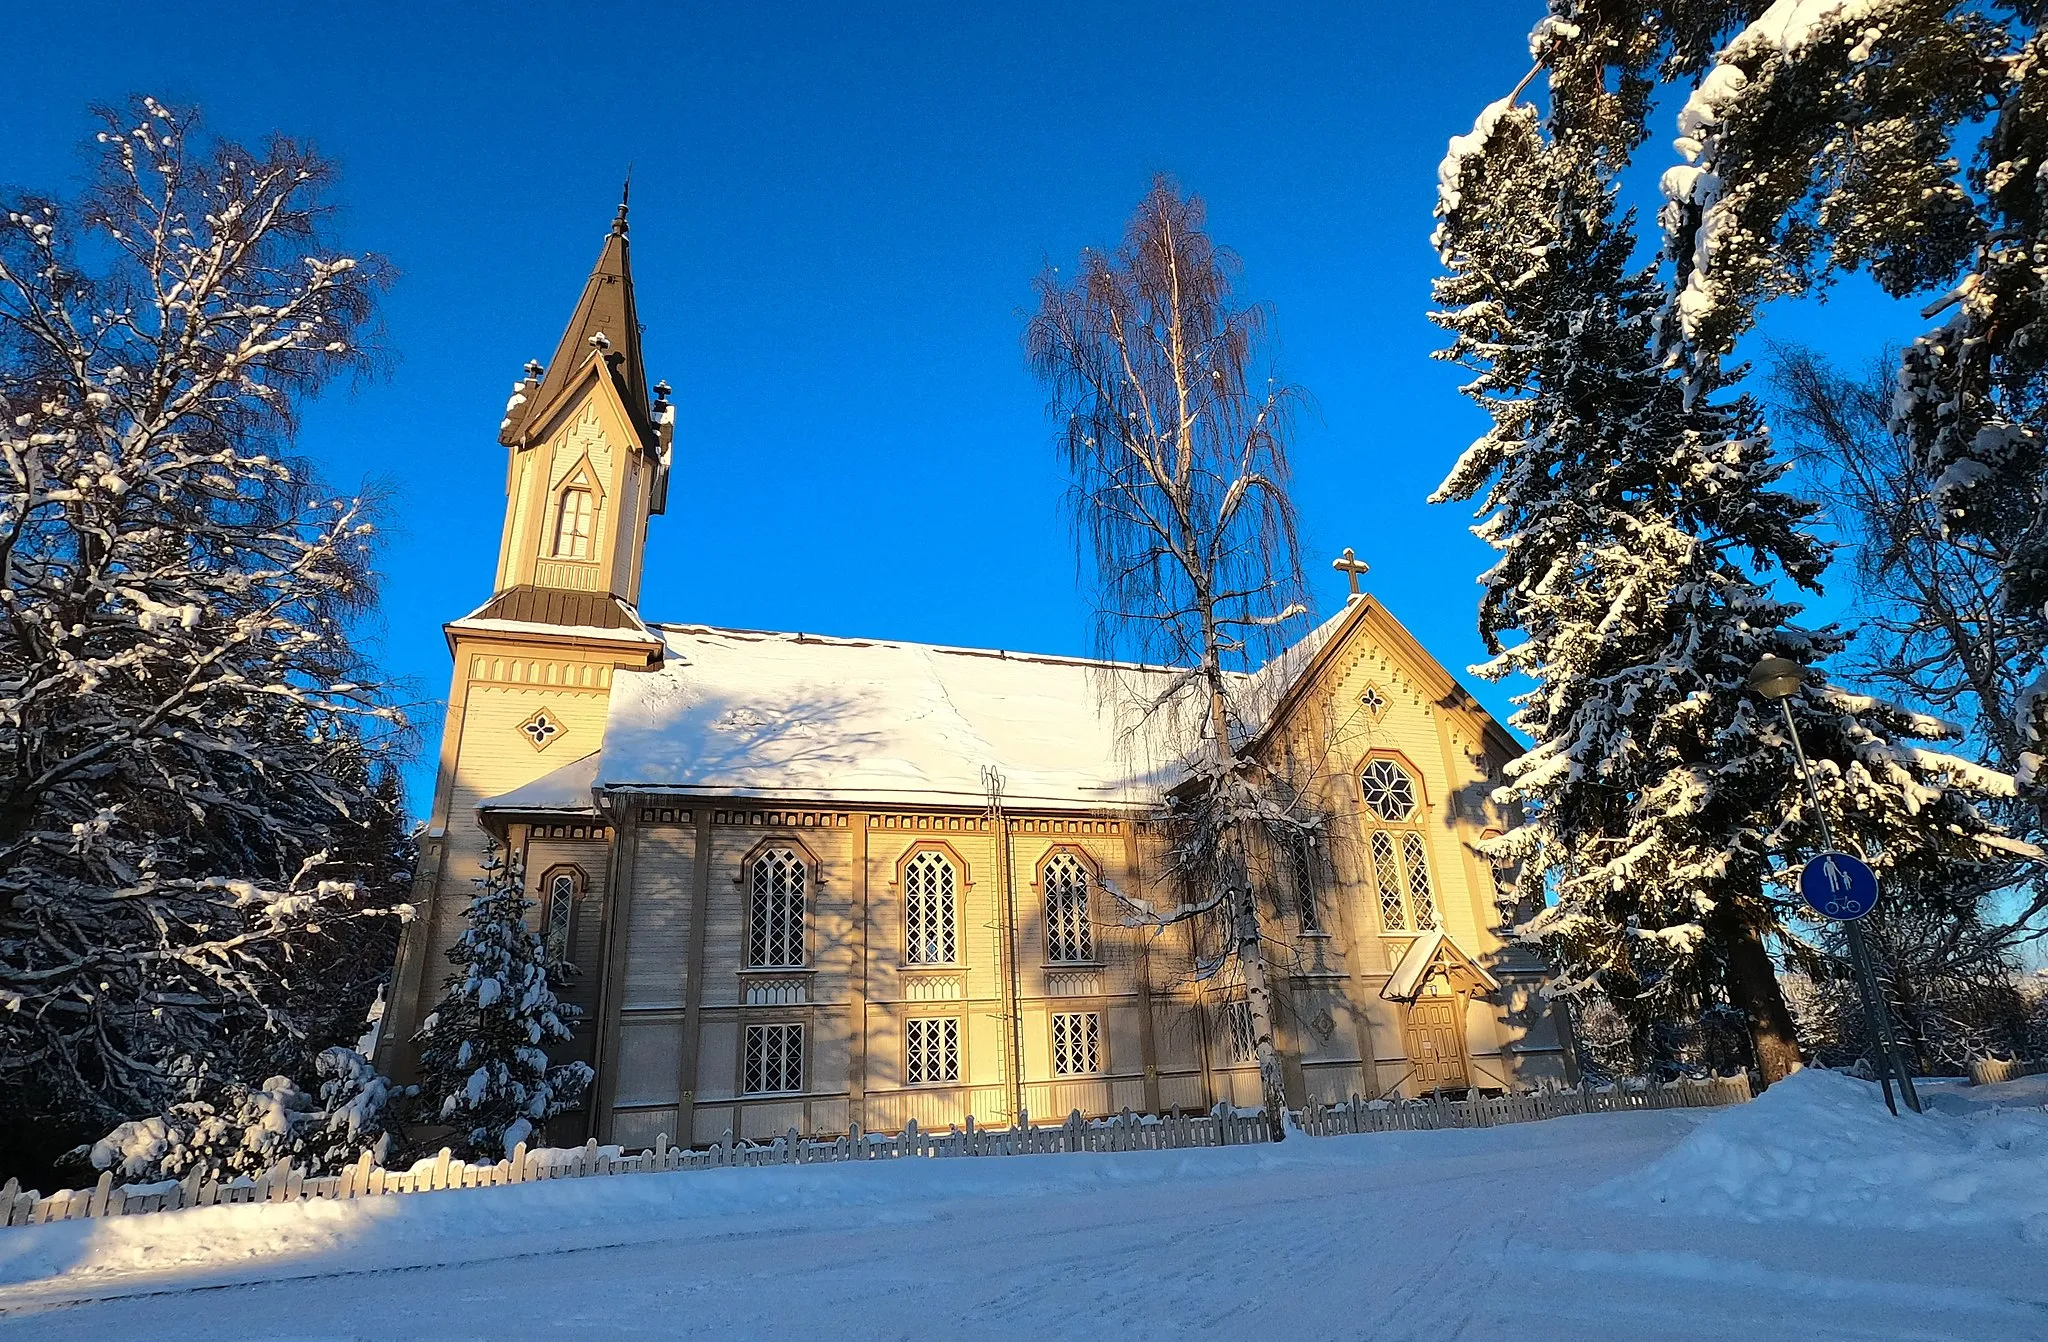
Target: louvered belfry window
column 572, row 525
column 929, row 905
column 1068, row 937
column 775, row 933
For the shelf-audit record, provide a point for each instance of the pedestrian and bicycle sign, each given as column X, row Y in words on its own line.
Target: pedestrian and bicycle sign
column 1838, row 885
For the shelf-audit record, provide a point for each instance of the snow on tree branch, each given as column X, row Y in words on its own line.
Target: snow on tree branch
column 188, row 736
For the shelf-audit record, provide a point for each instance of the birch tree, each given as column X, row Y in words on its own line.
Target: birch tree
column 1174, row 432
column 184, row 719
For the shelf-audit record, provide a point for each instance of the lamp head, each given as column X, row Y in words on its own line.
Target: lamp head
column 1776, row 677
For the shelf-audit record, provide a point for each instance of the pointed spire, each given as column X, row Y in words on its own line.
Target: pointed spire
column 605, row 325
column 625, row 195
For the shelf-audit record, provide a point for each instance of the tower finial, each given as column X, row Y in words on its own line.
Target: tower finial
column 625, row 195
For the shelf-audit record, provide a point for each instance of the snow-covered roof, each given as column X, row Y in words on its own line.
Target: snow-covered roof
column 1422, row 953
column 734, row 712
column 1266, row 688
column 567, row 789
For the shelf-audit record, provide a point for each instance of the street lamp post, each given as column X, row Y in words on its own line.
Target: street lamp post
column 1778, row 679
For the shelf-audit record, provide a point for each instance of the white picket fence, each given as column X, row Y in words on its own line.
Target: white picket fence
column 1358, row 1115
column 1991, row 1071
column 1125, row 1132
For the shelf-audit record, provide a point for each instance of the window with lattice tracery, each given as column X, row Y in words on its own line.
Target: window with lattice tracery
column 931, row 1050
column 929, row 905
column 1386, row 872
column 559, row 915
column 1421, row 895
column 774, row 1062
column 1242, row 1040
column 1068, row 936
column 775, row 933
column 1076, row 1043
column 1301, row 862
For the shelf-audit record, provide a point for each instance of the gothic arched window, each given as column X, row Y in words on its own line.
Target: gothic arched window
column 775, row 933
column 1400, row 855
column 559, row 915
column 1068, row 936
column 572, row 524
column 929, row 902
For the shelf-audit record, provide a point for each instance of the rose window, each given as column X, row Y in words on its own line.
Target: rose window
column 1389, row 791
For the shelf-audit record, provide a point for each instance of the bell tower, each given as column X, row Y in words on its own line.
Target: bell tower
column 589, row 453
column 534, row 665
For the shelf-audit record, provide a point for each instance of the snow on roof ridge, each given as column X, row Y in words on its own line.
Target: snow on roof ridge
column 855, row 641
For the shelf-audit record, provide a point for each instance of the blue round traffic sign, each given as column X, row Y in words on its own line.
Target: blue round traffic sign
column 1838, row 885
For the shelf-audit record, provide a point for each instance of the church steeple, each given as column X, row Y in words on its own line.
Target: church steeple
column 607, row 310
column 590, row 454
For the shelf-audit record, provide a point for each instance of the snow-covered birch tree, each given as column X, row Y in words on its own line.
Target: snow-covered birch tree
column 484, row 1068
column 184, row 720
column 1175, row 436
column 1637, row 509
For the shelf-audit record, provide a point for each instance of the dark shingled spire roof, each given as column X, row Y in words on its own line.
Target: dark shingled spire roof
column 606, row 308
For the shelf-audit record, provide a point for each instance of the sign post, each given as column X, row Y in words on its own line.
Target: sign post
column 1840, row 886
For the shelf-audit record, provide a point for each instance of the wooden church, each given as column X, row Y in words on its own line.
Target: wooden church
column 799, row 881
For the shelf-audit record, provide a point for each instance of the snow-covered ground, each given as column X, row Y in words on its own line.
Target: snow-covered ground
column 1809, row 1214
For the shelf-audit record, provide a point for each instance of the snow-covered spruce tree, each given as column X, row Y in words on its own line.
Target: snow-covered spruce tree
column 484, row 1068
column 1629, row 505
column 181, row 709
column 1178, row 455
column 1827, row 136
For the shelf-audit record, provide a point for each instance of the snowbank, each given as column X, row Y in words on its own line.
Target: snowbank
column 1820, row 1147
column 259, row 1240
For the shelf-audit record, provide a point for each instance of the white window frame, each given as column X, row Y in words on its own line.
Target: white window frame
column 1422, row 909
column 931, row 909
column 558, row 916
column 931, row 1051
column 772, row 1059
column 1401, row 874
column 1301, row 859
column 778, row 894
column 1076, row 1043
column 1069, row 935
column 1240, row 1040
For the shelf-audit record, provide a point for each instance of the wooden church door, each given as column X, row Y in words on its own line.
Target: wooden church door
column 1436, row 1037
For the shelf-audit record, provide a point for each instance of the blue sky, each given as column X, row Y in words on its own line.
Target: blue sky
column 837, row 216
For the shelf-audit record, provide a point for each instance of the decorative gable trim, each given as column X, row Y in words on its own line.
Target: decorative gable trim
column 1429, row 954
